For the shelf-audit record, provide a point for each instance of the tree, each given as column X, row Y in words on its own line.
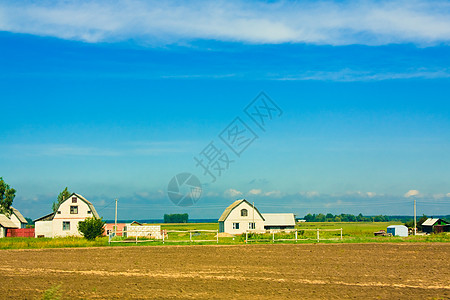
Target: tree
column 61, row 197
column 91, row 228
column 176, row 218
column 7, row 195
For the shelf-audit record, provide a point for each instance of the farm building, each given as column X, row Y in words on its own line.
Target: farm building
column 109, row 228
column 279, row 221
column 13, row 222
column 17, row 218
column 137, row 229
column 64, row 222
column 397, row 230
column 435, row 225
column 5, row 225
column 239, row 217
column 242, row 216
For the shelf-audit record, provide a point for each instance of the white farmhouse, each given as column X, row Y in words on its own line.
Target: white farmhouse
column 240, row 217
column 64, row 222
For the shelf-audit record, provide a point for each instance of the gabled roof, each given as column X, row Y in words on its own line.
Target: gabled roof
column 431, row 222
column 19, row 215
column 91, row 206
column 279, row 219
column 235, row 204
column 50, row 216
column 6, row 222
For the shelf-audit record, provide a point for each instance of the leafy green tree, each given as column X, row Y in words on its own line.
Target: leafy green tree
column 61, row 197
column 7, row 195
column 329, row 217
column 320, row 218
column 91, row 228
column 176, row 218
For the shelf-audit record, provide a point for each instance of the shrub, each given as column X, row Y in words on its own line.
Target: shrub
column 91, row 228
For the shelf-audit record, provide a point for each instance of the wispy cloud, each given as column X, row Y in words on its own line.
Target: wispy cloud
column 347, row 75
column 412, row 193
column 232, row 193
column 138, row 149
column 161, row 22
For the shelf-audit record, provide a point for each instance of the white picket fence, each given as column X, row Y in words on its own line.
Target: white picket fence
column 296, row 235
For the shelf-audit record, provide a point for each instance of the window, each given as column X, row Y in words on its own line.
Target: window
column 89, row 212
column 74, row 210
column 251, row 226
column 66, row 225
column 235, row 225
column 244, row 213
column 59, row 212
column 74, row 199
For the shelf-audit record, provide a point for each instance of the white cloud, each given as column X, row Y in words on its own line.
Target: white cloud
column 165, row 22
column 275, row 194
column 412, row 193
column 348, row 75
column 371, row 194
column 255, row 192
column 312, row 194
column 448, row 195
column 232, row 193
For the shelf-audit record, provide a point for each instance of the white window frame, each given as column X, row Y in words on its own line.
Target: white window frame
column 64, row 228
column 236, row 226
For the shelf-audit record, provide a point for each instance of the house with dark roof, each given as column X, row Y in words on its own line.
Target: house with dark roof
column 435, row 225
column 64, row 221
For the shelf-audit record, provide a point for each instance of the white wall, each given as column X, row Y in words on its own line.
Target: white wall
column 153, row 231
column 64, row 215
column 235, row 217
column 16, row 221
column 43, row 228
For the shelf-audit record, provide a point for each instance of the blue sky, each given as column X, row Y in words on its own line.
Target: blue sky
column 113, row 99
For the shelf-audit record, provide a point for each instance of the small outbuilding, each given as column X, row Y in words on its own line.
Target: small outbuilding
column 397, row 230
column 279, row 221
column 435, row 225
column 5, row 225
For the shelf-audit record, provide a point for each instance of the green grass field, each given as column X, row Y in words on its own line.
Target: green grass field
column 352, row 233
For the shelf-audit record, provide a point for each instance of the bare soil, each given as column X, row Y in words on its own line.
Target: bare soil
column 316, row 271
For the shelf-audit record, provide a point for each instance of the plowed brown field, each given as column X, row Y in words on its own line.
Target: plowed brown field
column 384, row 271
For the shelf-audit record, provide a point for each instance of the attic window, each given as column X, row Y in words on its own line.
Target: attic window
column 74, row 199
column 89, row 212
column 59, row 212
column 244, row 213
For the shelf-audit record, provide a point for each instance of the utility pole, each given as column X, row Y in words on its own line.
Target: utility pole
column 415, row 222
column 115, row 221
column 254, row 215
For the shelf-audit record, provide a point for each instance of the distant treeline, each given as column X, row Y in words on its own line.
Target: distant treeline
column 176, row 218
column 359, row 218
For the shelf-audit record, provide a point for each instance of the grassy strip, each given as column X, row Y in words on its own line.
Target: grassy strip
column 352, row 233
